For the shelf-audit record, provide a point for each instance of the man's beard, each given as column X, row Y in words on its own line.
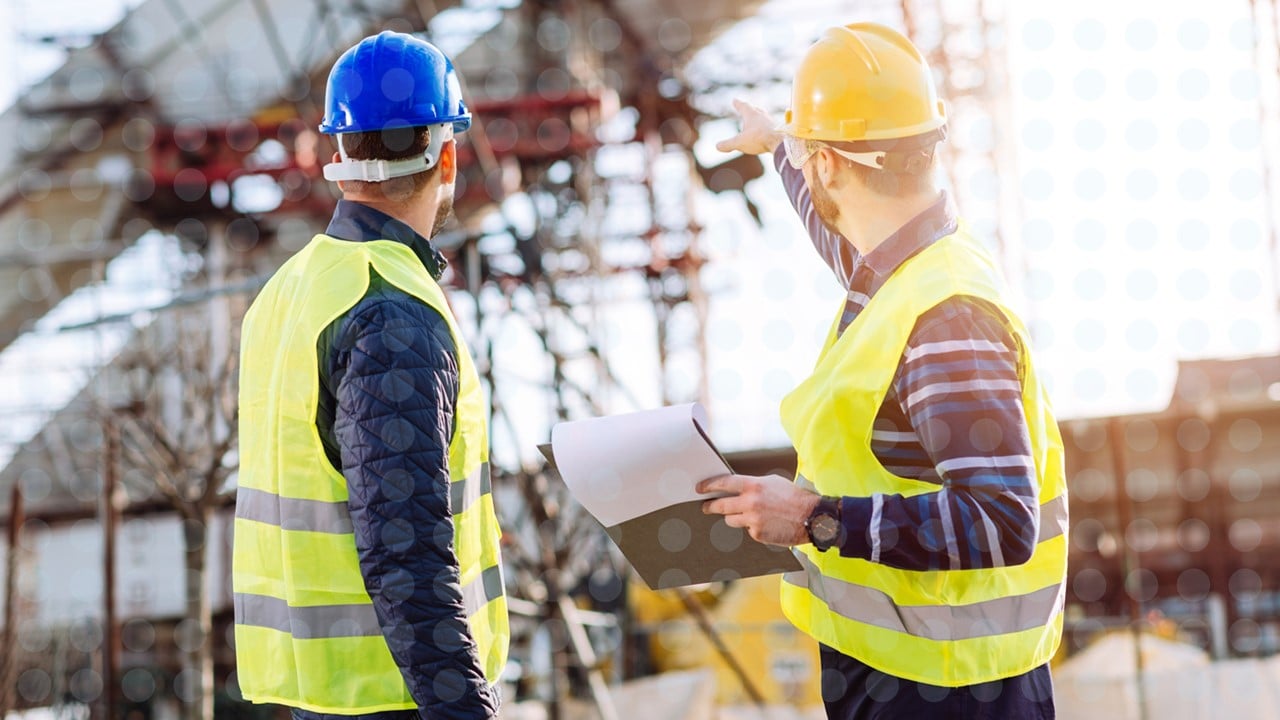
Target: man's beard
column 826, row 208
column 442, row 215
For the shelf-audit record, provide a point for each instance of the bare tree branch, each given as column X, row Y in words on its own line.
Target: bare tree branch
column 210, row 490
column 147, row 453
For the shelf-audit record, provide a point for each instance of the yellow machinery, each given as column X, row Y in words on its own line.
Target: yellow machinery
column 778, row 660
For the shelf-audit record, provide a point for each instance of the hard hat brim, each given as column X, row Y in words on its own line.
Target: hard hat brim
column 461, row 124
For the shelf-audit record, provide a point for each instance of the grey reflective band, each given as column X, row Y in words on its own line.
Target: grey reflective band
column 335, row 517
column 465, row 493
column 293, row 513
column 1053, row 519
column 1053, row 514
column 477, row 593
column 355, row 620
column 933, row 622
column 307, row 623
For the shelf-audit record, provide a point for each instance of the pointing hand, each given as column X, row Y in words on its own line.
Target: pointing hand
column 758, row 134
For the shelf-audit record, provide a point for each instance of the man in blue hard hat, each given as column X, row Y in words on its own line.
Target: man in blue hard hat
column 367, row 576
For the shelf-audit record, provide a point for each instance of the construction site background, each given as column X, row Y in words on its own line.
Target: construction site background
column 159, row 160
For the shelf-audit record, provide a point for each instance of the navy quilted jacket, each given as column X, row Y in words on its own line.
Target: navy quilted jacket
column 388, row 387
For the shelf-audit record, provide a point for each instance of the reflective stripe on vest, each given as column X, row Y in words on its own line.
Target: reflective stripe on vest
column 934, row 622
column 942, row 627
column 334, row 517
column 306, row 632
column 991, row 617
column 334, row 621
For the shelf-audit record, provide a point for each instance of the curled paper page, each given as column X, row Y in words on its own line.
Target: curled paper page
column 624, row 466
column 638, row 474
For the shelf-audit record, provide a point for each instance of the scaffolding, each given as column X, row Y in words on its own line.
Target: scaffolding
column 578, row 234
column 573, row 240
column 588, row 231
column 966, row 43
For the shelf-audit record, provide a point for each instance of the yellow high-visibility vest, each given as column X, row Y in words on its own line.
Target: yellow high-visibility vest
column 306, row 632
column 946, row 627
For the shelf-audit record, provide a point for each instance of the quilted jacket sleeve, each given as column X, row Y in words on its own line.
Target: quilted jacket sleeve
column 396, row 380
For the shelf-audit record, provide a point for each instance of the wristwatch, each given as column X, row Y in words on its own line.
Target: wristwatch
column 823, row 524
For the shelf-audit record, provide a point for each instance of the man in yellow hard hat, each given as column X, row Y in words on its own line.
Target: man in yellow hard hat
column 929, row 508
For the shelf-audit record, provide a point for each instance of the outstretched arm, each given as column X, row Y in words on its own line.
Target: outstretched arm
column 759, row 136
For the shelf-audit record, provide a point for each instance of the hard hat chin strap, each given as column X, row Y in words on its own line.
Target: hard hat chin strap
column 382, row 170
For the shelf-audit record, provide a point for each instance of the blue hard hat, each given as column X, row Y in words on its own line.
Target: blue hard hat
column 392, row 80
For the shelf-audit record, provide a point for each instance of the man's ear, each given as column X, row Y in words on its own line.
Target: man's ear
column 449, row 162
column 828, row 166
column 824, row 166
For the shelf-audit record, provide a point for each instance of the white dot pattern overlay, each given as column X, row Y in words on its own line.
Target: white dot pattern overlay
column 1144, row 218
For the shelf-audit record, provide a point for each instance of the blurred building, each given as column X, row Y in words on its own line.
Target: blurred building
column 1176, row 510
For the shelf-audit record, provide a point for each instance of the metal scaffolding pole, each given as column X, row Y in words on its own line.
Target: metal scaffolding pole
column 9, row 651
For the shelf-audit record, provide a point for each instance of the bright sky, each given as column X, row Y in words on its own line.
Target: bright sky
column 1140, row 147
column 1139, row 153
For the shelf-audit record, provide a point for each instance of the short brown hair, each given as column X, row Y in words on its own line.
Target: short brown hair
column 390, row 144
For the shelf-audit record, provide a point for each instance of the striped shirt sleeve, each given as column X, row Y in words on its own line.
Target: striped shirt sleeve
column 958, row 385
column 832, row 247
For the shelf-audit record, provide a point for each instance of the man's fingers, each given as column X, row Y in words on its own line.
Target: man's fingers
column 721, row 483
column 730, row 144
column 723, row 506
column 736, row 521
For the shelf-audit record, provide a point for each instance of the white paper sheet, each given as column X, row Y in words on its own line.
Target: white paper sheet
column 624, row 466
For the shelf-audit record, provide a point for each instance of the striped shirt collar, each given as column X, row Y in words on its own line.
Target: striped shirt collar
column 356, row 222
column 934, row 223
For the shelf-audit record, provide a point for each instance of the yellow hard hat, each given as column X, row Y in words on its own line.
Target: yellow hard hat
column 863, row 82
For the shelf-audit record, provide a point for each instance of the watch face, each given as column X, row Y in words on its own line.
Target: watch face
column 825, row 528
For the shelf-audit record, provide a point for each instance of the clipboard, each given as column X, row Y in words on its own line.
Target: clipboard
column 636, row 474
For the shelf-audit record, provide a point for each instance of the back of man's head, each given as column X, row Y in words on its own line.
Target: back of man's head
column 392, row 144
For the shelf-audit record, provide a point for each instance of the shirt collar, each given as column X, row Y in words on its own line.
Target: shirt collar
column 356, row 222
column 934, row 223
